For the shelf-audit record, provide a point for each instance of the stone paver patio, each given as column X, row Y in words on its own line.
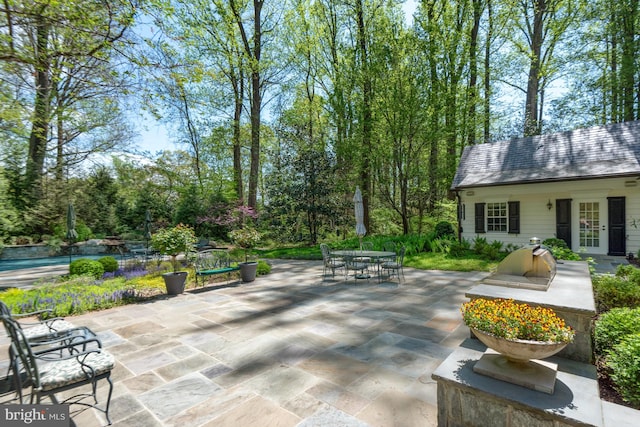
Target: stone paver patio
column 286, row 350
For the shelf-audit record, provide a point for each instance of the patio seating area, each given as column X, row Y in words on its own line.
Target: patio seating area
column 293, row 348
column 289, row 349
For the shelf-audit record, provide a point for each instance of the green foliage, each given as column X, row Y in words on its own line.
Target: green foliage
column 492, row 251
column 444, row 229
column 442, row 244
column 459, row 249
column 78, row 295
column 8, row 214
column 96, row 205
column 263, row 268
column 613, row 326
column 621, row 290
column 109, row 263
column 84, row 232
column 174, row 241
column 629, row 273
column 625, row 368
column 560, row 250
column 53, row 243
column 86, row 267
column 246, row 238
column 554, row 242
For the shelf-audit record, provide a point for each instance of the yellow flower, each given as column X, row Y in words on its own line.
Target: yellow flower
column 511, row 320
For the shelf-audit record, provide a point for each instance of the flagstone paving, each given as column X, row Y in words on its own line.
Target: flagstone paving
column 286, row 350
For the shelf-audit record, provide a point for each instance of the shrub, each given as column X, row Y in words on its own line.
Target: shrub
column 86, row 267
column 440, row 245
column 612, row 326
column 490, row 251
column 560, row 250
column 555, row 242
column 629, row 273
column 109, row 263
column 444, row 229
column 625, row 368
column 459, row 249
column 615, row 291
column 479, row 243
column 263, row 268
column 174, row 241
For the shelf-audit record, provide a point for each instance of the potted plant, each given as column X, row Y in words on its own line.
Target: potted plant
column 246, row 238
column 518, row 331
column 172, row 242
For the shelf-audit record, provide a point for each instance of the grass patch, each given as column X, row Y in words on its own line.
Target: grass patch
column 441, row 261
column 422, row 260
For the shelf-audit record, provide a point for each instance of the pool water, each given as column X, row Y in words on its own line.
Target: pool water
column 19, row 264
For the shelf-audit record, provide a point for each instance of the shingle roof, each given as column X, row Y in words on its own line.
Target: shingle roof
column 602, row 151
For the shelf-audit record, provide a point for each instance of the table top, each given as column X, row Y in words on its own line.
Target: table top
column 368, row 254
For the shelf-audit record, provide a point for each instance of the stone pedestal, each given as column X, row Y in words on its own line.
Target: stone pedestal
column 535, row 374
column 466, row 398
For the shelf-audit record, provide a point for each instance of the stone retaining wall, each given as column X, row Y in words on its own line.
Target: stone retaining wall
column 90, row 247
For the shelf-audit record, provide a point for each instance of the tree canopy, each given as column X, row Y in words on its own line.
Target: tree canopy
column 287, row 106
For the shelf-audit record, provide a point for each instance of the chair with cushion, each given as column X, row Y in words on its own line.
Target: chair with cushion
column 34, row 330
column 64, row 365
column 358, row 265
column 395, row 267
column 330, row 262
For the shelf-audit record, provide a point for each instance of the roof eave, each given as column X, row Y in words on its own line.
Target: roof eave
column 546, row 180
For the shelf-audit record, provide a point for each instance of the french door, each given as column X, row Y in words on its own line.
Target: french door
column 591, row 234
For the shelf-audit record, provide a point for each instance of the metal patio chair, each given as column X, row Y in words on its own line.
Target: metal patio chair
column 330, row 262
column 62, row 365
column 395, row 267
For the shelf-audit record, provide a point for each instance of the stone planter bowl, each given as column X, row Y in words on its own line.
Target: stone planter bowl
column 520, row 351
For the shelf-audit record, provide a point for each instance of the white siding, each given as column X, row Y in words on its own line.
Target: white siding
column 536, row 220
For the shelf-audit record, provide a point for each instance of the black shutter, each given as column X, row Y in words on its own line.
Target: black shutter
column 480, row 218
column 514, row 217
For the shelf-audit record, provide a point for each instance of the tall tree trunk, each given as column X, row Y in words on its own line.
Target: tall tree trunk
column 487, row 74
column 628, row 69
column 473, row 71
column 256, row 106
column 59, row 168
column 238, row 90
column 254, row 54
column 41, row 114
column 367, row 116
column 532, row 125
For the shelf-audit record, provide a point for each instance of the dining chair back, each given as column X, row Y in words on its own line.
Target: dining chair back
column 395, row 267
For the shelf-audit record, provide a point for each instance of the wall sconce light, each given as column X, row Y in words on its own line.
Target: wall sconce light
column 549, row 205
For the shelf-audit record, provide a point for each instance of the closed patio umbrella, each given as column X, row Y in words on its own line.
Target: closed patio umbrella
column 72, row 234
column 361, row 230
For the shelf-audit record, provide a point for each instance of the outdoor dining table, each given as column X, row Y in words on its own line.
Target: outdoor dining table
column 373, row 255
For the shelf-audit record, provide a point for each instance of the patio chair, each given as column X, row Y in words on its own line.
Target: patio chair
column 359, row 266
column 365, row 246
column 330, row 262
column 36, row 329
column 63, row 365
column 395, row 267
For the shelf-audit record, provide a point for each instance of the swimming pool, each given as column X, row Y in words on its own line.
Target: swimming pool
column 19, row 264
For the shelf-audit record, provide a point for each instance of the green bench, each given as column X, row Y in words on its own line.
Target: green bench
column 212, row 262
